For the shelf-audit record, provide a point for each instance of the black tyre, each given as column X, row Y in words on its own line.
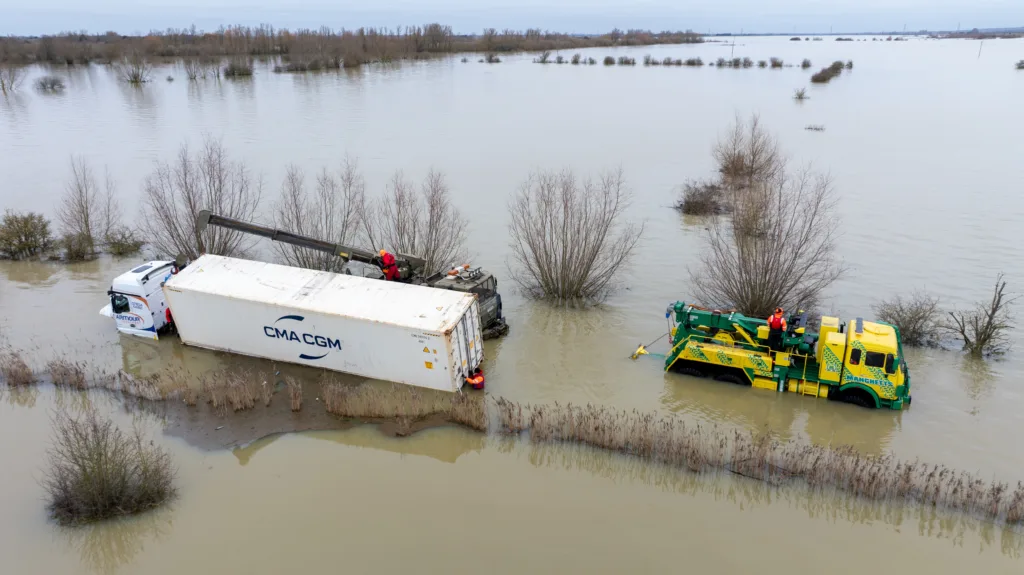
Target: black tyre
column 857, row 398
column 731, row 378
column 690, row 371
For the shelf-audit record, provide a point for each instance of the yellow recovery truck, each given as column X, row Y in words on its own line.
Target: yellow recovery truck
column 860, row 362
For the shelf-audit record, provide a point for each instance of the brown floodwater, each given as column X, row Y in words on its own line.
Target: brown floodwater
column 922, row 140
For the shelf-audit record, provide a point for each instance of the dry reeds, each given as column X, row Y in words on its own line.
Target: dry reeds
column 236, row 390
column 294, row 393
column 14, row 371
column 66, row 373
column 759, row 456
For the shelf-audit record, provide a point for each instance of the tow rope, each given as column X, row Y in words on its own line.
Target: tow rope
column 642, row 350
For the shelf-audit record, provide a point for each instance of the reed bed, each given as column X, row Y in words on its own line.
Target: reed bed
column 294, row 393
column 14, row 371
column 647, row 436
column 373, row 401
column 701, row 449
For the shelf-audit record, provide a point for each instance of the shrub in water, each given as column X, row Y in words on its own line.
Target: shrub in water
column 609, row 61
column 50, row 84
column 776, row 62
column 123, row 241
column 701, row 199
column 238, row 68
column 96, row 471
column 77, row 247
column 24, row 235
column 805, row 64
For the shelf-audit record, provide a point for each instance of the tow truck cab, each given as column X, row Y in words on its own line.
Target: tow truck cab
column 867, row 357
column 137, row 301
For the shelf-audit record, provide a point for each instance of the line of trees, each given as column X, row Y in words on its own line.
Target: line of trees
column 376, row 44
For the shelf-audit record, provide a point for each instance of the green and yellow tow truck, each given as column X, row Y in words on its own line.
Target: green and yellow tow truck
column 859, row 362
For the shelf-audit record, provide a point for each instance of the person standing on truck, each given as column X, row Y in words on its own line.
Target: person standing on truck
column 388, row 265
column 776, row 327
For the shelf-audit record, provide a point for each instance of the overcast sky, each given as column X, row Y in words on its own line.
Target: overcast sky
column 32, row 17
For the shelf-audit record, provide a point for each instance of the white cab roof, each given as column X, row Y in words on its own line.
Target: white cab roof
column 130, row 282
column 419, row 307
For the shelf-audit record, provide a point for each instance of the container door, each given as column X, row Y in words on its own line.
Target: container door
column 474, row 336
column 458, row 372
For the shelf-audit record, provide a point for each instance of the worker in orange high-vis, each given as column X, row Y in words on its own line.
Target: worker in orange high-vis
column 476, row 379
column 776, row 327
column 388, row 265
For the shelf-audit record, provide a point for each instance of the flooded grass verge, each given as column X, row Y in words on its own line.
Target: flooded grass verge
column 231, row 408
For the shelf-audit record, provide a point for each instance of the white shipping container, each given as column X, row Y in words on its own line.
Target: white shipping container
column 409, row 334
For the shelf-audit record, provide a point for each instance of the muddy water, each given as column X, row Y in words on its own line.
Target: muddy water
column 921, row 139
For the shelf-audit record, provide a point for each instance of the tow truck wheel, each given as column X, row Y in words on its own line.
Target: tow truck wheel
column 690, row 371
column 730, row 378
column 856, row 397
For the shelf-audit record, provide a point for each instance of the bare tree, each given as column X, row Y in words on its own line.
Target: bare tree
column 748, row 154
column 85, row 212
column 10, row 77
column 195, row 69
column 567, row 237
column 331, row 212
column 984, row 329
column 427, row 224
column 917, row 317
column 778, row 250
column 133, row 68
column 176, row 193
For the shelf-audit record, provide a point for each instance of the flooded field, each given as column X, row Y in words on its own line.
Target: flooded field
column 921, row 137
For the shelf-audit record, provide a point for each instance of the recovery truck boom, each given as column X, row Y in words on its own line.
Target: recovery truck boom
column 410, row 267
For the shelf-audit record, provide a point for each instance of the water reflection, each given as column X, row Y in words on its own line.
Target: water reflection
column 444, row 444
column 828, row 505
column 108, row 546
column 979, row 377
column 33, row 273
column 22, row 396
column 787, row 415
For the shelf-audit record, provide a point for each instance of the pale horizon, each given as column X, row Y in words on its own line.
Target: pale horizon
column 573, row 16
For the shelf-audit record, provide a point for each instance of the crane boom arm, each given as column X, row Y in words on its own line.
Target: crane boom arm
column 345, row 252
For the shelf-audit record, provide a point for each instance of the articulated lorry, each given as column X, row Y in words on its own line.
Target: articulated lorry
column 859, row 362
column 426, row 331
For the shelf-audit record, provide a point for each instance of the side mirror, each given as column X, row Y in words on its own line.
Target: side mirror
column 890, row 364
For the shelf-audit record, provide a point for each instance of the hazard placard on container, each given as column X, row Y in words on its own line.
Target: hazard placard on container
column 429, row 365
column 426, row 349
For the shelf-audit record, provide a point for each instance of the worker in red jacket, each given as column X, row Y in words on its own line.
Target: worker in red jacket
column 387, row 263
column 776, row 327
column 476, row 379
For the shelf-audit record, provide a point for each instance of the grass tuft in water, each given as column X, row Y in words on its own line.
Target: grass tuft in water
column 96, row 471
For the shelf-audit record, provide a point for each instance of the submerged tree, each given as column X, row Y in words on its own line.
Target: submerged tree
column 985, row 329
column 917, row 317
column 176, row 193
column 425, row 224
column 568, row 239
column 329, row 212
column 778, row 249
column 87, row 214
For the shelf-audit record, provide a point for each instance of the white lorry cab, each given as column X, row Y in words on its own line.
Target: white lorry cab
column 137, row 301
